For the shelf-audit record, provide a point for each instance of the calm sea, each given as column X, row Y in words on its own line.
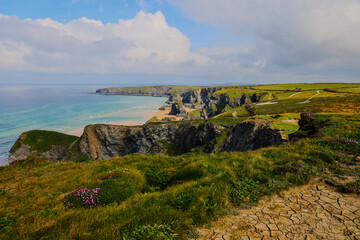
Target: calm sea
column 65, row 109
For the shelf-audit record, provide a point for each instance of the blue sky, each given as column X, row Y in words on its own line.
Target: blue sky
column 179, row 41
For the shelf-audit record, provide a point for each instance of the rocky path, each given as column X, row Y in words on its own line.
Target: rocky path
column 308, row 212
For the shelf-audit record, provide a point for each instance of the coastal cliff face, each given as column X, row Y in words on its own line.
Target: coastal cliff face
column 107, row 141
column 102, row 141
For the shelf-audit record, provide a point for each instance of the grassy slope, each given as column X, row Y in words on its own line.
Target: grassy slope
column 43, row 141
column 178, row 192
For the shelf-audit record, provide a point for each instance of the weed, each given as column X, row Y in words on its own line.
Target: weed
column 183, row 200
column 244, row 192
column 152, row 232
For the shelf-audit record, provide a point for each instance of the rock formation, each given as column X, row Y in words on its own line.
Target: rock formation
column 54, row 152
column 107, row 141
column 177, row 109
column 310, row 126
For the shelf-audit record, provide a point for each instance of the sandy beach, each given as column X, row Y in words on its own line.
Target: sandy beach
column 160, row 114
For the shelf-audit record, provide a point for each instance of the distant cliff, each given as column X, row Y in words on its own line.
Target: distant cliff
column 156, row 91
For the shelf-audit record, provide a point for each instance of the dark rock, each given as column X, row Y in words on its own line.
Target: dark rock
column 107, row 141
column 251, row 135
column 310, row 126
column 217, row 103
column 168, row 119
column 200, row 96
column 177, row 109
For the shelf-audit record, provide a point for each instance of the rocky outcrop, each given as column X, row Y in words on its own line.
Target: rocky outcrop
column 200, row 96
column 251, row 135
column 108, row 141
column 217, row 103
column 177, row 109
column 168, row 119
column 310, row 126
column 21, row 150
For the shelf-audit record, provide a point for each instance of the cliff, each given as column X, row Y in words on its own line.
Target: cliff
column 51, row 145
column 107, row 141
column 156, row 91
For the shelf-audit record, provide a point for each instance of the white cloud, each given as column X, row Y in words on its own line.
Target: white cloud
column 305, row 36
column 144, row 44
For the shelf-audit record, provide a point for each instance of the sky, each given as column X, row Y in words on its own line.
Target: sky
column 179, row 42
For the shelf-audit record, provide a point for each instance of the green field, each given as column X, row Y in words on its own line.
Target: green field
column 306, row 87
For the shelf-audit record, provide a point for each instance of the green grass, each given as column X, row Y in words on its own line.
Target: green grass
column 306, row 87
column 178, row 193
column 43, row 141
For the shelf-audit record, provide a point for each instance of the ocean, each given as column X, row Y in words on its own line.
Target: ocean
column 66, row 109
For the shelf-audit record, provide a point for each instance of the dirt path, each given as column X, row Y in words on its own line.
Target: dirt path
column 308, row 212
column 308, row 100
column 294, row 94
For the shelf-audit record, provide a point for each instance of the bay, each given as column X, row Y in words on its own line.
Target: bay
column 66, row 109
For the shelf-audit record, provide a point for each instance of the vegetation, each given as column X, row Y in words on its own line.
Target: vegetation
column 165, row 197
column 42, row 141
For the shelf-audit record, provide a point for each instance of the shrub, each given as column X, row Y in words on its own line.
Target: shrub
column 2, row 192
column 152, row 232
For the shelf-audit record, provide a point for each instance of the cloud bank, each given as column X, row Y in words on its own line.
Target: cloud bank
column 145, row 44
column 302, row 36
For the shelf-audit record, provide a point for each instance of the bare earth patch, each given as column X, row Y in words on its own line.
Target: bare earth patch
column 307, row 212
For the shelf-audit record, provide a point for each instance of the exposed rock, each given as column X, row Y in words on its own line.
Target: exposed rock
column 192, row 116
column 218, row 103
column 200, row 96
column 108, row 141
column 251, row 135
column 310, row 126
column 177, row 109
column 168, row 119
column 102, row 141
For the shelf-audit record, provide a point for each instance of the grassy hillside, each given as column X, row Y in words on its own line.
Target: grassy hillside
column 161, row 197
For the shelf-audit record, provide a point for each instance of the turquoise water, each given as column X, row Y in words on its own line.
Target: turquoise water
column 65, row 109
